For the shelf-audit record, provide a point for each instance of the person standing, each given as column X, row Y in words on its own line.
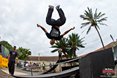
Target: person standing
column 11, row 60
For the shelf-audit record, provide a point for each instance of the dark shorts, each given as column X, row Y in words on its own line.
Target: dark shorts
column 56, row 38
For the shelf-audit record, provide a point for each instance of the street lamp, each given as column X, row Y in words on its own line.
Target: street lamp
column 39, row 57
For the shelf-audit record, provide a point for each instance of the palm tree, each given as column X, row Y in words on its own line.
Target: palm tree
column 61, row 44
column 74, row 43
column 93, row 20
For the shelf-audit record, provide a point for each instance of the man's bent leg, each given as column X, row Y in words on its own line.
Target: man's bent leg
column 9, row 67
column 49, row 19
column 62, row 18
column 13, row 68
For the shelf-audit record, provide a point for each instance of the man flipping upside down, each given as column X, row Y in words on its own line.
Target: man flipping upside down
column 55, row 32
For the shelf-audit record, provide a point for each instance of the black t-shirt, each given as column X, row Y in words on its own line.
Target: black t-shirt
column 54, row 34
column 13, row 56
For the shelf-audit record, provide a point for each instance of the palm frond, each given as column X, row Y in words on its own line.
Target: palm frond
column 84, row 24
column 74, row 40
column 54, row 50
column 84, row 17
column 53, row 45
column 81, row 46
column 70, row 54
column 100, row 15
column 86, row 13
column 90, row 12
column 102, row 19
column 103, row 24
column 95, row 14
column 89, row 29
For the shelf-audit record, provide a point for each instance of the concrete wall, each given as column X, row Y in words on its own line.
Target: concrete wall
column 115, row 52
column 91, row 65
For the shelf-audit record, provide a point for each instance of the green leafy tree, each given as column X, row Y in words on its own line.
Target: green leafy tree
column 74, row 42
column 6, row 44
column 69, row 45
column 62, row 44
column 93, row 20
column 23, row 53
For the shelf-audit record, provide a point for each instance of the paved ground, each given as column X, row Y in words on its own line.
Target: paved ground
column 19, row 72
column 4, row 75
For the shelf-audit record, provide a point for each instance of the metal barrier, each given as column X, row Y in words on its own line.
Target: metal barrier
column 65, row 73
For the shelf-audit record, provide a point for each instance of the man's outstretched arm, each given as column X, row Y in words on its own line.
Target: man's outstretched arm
column 68, row 31
column 42, row 28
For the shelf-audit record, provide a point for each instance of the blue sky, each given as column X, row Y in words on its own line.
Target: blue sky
column 18, row 19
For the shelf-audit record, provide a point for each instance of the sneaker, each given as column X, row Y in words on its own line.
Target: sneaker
column 58, row 7
column 50, row 6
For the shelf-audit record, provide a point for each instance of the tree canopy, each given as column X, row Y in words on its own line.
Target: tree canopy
column 69, row 45
column 23, row 53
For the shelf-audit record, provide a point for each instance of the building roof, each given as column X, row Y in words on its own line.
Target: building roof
column 43, row 58
column 55, row 58
column 110, row 45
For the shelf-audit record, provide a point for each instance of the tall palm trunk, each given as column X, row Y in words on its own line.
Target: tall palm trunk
column 74, row 52
column 100, row 37
column 64, row 52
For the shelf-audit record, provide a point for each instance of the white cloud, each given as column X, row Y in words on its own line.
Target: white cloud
column 18, row 21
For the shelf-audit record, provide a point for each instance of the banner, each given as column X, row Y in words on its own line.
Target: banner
column 3, row 56
column 3, row 61
column 4, row 51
